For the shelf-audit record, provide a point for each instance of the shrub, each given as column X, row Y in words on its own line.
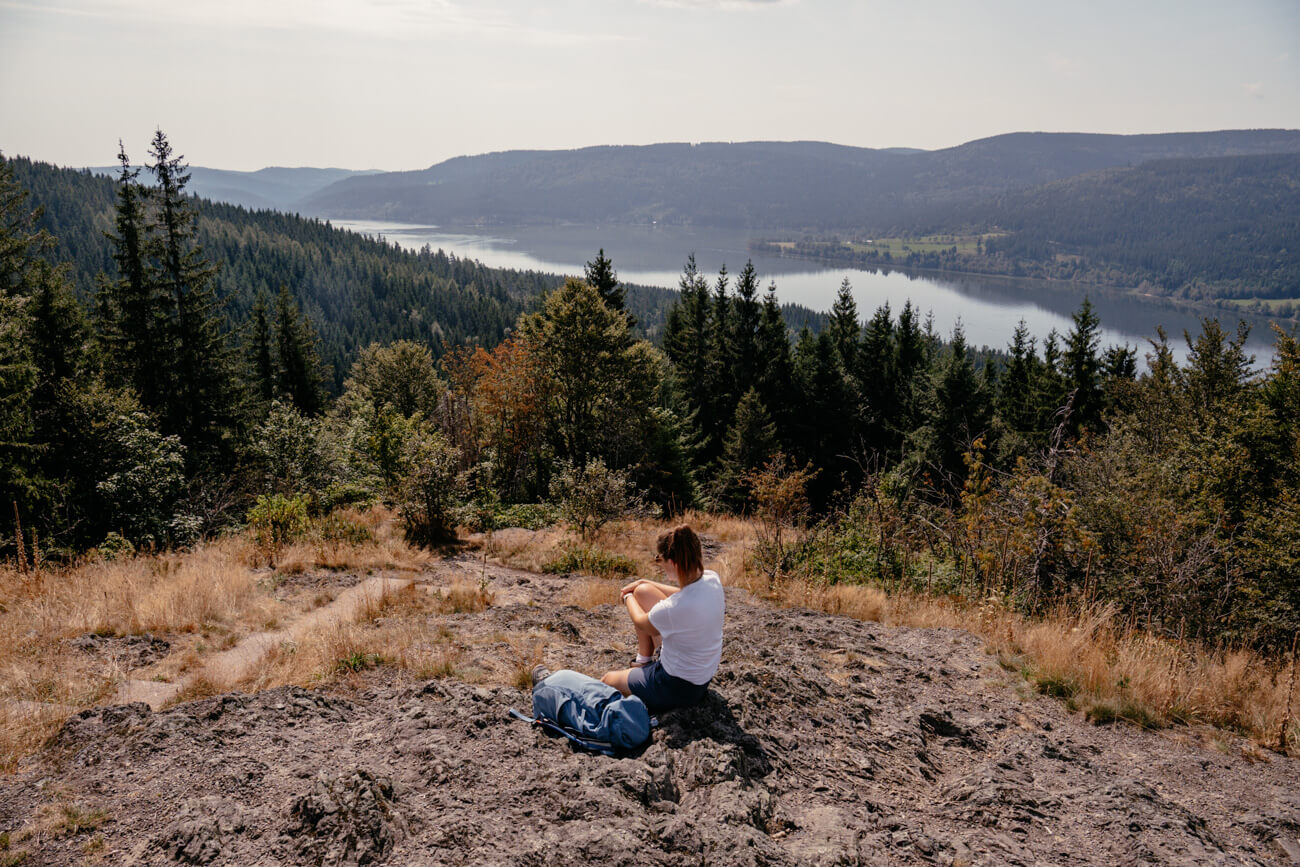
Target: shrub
column 429, row 493
column 148, row 480
column 115, row 547
column 594, row 495
column 780, row 494
column 277, row 520
column 337, row 529
column 590, row 560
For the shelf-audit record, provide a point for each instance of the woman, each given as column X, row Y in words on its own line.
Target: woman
column 682, row 619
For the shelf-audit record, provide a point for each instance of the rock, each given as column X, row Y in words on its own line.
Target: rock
column 199, row 834
column 345, row 819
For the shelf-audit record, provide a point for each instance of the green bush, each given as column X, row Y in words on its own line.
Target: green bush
column 429, row 493
column 590, row 560
column 115, row 547
column 529, row 516
column 277, row 520
column 590, row 497
column 144, row 490
column 335, row 528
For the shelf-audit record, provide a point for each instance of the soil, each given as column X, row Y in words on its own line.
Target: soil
column 823, row 740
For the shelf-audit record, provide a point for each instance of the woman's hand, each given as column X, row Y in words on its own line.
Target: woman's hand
column 629, row 588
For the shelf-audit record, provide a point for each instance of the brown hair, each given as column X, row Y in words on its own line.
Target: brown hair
column 683, row 547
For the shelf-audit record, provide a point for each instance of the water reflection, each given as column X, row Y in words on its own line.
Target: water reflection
column 988, row 307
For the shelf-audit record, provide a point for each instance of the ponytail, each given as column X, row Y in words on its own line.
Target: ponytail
column 682, row 546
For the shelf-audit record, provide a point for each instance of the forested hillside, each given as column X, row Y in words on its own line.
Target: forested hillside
column 1208, row 228
column 273, row 188
column 775, row 185
column 354, row 289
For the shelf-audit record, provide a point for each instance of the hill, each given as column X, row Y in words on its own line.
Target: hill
column 1203, row 228
column 786, row 185
column 833, row 740
column 356, row 289
column 273, row 188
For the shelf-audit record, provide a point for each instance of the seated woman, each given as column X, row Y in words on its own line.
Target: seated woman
column 682, row 619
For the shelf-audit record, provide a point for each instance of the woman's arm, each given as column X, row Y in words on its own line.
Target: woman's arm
column 666, row 589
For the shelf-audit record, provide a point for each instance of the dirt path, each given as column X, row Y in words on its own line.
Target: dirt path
column 823, row 740
column 228, row 667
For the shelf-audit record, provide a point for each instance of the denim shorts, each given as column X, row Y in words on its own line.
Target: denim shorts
column 662, row 691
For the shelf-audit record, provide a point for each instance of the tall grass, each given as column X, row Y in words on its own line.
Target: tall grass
column 1086, row 657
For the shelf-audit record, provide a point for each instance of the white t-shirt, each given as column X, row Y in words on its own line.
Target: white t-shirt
column 690, row 622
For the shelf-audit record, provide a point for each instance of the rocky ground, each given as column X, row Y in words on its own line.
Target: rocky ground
column 824, row 740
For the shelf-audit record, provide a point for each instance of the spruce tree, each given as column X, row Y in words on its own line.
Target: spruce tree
column 260, row 352
column 21, row 242
column 776, row 367
column 749, row 442
column 133, row 316
column 876, row 375
column 602, row 277
column 1015, row 403
column 300, row 377
column 845, row 328
column 744, row 330
column 1081, row 367
column 201, row 403
column 957, row 412
column 913, row 368
column 687, row 340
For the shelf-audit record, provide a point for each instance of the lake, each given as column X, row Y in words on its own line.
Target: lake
column 988, row 307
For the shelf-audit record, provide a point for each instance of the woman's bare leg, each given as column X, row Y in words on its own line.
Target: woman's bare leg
column 618, row 680
column 647, row 596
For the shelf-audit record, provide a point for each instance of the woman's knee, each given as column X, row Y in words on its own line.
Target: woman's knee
column 648, row 596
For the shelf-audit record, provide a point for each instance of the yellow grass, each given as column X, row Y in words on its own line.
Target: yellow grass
column 634, row 539
column 202, row 601
column 1101, row 668
column 592, row 592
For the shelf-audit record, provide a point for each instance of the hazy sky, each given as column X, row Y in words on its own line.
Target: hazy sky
column 403, row 84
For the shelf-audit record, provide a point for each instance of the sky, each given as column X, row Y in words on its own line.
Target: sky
column 405, row 84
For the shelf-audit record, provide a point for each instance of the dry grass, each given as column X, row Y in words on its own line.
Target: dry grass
column 463, row 597
column 634, row 539
column 202, row 601
column 1085, row 658
column 592, row 592
column 385, row 550
column 395, row 629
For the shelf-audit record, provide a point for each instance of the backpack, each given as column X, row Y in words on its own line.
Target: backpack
column 591, row 714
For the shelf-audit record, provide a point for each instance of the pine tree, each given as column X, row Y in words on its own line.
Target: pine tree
column 201, row 403
column 261, row 357
column 845, row 328
column 300, row 377
column 744, row 332
column 133, row 316
column 1081, row 367
column 876, row 375
column 602, row 277
column 749, row 442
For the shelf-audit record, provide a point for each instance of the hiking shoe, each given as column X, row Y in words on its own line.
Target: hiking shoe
column 540, row 673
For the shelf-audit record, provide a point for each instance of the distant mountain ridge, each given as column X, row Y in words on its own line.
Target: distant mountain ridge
column 756, row 185
column 274, row 188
